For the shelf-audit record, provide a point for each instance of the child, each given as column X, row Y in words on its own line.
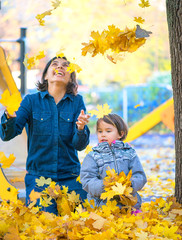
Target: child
column 111, row 152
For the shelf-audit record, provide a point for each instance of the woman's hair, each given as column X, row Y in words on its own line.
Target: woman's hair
column 117, row 122
column 72, row 86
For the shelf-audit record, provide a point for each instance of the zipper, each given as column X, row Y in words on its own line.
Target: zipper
column 115, row 163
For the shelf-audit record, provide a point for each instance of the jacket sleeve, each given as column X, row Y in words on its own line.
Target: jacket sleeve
column 138, row 178
column 80, row 137
column 89, row 176
column 9, row 128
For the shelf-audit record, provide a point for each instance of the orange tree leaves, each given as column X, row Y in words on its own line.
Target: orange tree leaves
column 114, row 39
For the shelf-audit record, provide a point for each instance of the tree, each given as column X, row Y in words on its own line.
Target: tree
column 174, row 18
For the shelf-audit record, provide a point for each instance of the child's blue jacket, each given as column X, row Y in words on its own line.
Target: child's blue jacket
column 119, row 156
column 53, row 139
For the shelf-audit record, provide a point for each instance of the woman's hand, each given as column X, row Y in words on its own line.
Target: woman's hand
column 82, row 120
column 10, row 115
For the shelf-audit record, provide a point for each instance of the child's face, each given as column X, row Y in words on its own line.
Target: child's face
column 107, row 133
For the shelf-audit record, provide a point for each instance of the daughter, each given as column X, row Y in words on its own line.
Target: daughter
column 111, row 152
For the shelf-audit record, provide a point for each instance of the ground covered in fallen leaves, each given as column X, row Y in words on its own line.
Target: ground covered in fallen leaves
column 160, row 216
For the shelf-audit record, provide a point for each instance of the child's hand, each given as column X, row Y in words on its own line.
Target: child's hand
column 82, row 120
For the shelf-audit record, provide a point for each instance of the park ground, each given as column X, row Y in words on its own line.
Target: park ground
column 156, row 152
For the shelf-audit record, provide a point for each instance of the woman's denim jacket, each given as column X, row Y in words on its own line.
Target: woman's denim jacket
column 119, row 156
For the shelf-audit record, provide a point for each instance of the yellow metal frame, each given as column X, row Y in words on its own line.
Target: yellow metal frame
column 7, row 191
column 149, row 121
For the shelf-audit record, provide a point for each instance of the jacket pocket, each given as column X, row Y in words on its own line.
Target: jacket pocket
column 66, row 123
column 42, row 123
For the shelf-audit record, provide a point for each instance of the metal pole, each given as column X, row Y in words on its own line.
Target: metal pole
column 22, row 42
column 125, row 105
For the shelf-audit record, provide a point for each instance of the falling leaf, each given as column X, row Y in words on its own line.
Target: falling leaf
column 6, row 162
column 101, row 112
column 31, row 62
column 60, row 53
column 144, row 3
column 141, row 33
column 78, row 179
column 73, row 67
column 138, row 105
column 56, row 3
column 139, row 20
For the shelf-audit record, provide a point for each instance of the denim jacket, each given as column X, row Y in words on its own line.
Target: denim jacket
column 120, row 157
column 53, row 138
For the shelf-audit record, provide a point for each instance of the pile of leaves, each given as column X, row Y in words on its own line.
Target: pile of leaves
column 76, row 220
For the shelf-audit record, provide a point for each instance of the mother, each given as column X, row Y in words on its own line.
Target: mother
column 55, row 122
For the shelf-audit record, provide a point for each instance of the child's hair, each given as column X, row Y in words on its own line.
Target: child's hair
column 117, row 122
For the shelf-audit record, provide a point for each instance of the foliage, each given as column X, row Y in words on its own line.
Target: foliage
column 11, row 102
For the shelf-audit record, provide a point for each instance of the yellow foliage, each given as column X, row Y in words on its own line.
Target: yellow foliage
column 114, row 39
column 6, row 162
column 144, row 3
column 31, row 62
column 11, row 102
column 101, row 112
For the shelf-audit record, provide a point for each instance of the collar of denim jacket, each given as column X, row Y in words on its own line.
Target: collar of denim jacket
column 67, row 95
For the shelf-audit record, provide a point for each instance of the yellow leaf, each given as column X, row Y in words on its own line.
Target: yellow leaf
column 60, row 54
column 73, row 197
column 41, row 181
column 56, row 3
column 101, row 112
column 34, row 195
column 119, row 188
column 139, row 20
column 11, row 102
column 6, row 162
column 99, row 221
column 88, row 149
column 78, row 179
column 144, row 3
column 73, row 67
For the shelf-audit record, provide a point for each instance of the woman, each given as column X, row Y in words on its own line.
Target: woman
column 55, row 122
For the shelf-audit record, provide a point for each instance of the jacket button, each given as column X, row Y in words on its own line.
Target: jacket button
column 68, row 119
column 41, row 119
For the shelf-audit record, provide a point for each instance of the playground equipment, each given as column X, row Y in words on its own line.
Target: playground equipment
column 164, row 113
column 6, row 81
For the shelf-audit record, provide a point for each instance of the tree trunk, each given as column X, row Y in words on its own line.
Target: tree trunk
column 174, row 18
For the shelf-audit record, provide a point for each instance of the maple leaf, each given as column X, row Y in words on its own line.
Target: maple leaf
column 73, row 197
column 31, row 62
column 119, row 188
column 34, row 195
column 12, row 234
column 56, row 3
column 101, row 112
column 73, row 67
column 99, row 221
column 40, row 17
column 139, row 20
column 6, row 162
column 144, row 3
column 11, row 102
column 45, row 201
column 41, row 181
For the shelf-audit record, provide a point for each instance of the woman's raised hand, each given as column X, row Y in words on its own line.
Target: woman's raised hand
column 82, row 120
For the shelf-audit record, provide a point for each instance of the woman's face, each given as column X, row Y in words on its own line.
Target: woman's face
column 57, row 72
